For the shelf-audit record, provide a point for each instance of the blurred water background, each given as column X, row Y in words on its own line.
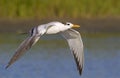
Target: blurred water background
column 51, row 57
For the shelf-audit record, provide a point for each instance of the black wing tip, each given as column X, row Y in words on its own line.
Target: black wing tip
column 7, row 66
column 80, row 71
column 79, row 67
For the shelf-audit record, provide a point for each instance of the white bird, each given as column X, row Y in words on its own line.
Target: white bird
column 72, row 36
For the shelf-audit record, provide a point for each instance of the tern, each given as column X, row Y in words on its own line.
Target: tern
column 72, row 36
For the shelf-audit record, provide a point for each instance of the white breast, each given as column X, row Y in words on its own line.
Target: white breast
column 53, row 30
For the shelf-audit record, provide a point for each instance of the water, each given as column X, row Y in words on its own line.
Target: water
column 51, row 57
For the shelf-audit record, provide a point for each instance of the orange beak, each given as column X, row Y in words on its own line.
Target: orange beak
column 75, row 26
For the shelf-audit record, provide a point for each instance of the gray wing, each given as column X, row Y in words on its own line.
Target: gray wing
column 76, row 46
column 24, row 46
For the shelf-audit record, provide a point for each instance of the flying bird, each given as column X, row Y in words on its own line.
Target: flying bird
column 72, row 36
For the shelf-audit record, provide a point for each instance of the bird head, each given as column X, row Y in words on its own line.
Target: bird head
column 72, row 25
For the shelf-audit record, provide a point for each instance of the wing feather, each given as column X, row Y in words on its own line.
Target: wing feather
column 76, row 46
column 24, row 46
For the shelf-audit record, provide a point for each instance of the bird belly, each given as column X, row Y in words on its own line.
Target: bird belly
column 53, row 30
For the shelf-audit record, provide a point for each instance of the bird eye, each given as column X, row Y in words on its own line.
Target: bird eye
column 68, row 23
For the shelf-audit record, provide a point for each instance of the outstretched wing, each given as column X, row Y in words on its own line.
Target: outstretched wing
column 76, row 46
column 24, row 46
